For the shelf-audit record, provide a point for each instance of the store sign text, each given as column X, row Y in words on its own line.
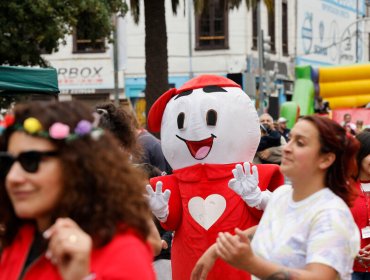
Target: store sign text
column 80, row 76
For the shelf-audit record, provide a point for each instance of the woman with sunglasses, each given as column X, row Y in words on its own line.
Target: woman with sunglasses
column 71, row 205
column 307, row 230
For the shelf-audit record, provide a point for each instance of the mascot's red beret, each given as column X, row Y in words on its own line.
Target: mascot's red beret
column 156, row 111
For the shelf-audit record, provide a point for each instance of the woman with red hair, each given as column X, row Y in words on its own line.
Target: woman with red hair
column 307, row 230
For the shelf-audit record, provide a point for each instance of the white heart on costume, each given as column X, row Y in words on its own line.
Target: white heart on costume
column 207, row 211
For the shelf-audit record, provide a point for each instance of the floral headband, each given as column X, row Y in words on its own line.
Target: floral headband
column 57, row 131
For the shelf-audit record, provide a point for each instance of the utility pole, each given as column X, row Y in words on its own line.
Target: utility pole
column 115, row 60
column 261, row 95
column 357, row 23
column 191, row 74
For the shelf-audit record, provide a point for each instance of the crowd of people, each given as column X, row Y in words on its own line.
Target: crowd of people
column 353, row 128
column 74, row 204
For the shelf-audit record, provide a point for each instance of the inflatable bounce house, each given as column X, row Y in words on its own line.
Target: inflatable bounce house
column 345, row 88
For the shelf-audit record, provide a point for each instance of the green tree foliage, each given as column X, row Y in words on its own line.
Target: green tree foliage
column 29, row 28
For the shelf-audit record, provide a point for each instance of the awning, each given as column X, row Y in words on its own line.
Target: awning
column 28, row 80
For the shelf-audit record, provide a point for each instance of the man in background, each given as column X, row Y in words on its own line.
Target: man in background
column 271, row 154
column 284, row 131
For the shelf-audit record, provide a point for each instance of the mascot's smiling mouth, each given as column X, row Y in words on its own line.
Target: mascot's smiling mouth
column 199, row 149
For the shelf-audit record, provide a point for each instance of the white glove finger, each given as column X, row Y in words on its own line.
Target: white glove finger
column 166, row 195
column 232, row 183
column 247, row 168
column 158, row 187
column 255, row 173
column 239, row 172
column 149, row 190
column 235, row 173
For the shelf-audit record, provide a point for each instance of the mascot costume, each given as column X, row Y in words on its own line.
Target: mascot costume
column 209, row 128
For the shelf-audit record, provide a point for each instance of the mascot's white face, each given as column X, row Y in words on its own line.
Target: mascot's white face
column 209, row 125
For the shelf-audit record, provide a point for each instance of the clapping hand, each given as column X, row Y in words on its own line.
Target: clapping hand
column 204, row 264
column 235, row 249
column 364, row 256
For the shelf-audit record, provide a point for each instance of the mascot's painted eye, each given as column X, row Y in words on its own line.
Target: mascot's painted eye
column 180, row 120
column 211, row 117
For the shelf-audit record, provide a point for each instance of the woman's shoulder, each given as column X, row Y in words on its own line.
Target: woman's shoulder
column 332, row 201
column 333, row 210
column 281, row 194
column 126, row 250
column 128, row 239
column 282, row 190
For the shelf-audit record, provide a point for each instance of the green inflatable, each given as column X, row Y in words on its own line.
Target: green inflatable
column 303, row 97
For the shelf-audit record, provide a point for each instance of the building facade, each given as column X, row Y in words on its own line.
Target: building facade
column 86, row 70
column 219, row 41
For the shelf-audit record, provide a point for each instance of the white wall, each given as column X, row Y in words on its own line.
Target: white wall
column 232, row 60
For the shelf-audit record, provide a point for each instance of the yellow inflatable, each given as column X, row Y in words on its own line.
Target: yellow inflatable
column 345, row 86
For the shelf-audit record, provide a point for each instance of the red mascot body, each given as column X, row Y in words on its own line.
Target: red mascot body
column 207, row 127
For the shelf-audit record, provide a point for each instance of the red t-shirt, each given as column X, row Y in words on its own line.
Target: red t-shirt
column 125, row 257
column 360, row 214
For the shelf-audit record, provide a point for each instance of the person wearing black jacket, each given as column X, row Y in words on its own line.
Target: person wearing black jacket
column 269, row 138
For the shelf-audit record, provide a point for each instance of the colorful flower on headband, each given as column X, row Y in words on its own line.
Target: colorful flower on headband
column 59, row 131
column 8, row 120
column 83, row 127
column 32, row 125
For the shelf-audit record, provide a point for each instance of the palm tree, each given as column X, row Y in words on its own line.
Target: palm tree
column 156, row 55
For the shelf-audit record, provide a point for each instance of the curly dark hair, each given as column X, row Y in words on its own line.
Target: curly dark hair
column 120, row 122
column 103, row 193
column 334, row 139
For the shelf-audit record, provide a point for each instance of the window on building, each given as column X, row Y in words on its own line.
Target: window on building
column 83, row 43
column 284, row 29
column 271, row 29
column 211, row 26
column 254, row 29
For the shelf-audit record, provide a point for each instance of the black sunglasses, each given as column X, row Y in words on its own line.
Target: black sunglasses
column 29, row 160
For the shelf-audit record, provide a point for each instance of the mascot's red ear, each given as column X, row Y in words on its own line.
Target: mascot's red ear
column 156, row 111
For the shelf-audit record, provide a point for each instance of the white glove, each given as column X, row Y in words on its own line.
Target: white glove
column 158, row 201
column 245, row 184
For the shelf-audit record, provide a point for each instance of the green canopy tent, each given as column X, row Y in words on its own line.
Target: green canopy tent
column 27, row 80
column 22, row 84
